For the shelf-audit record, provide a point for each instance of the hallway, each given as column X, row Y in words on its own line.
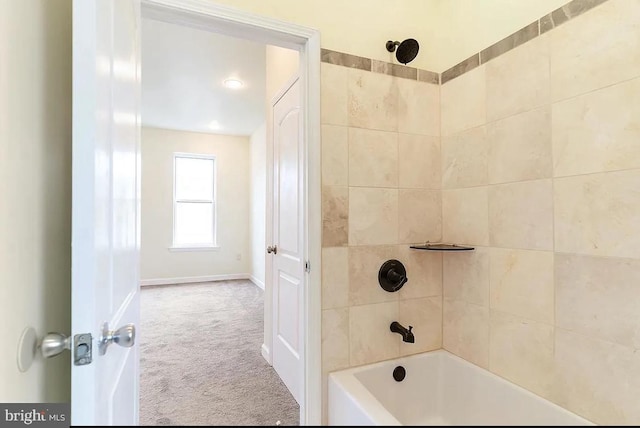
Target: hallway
column 200, row 358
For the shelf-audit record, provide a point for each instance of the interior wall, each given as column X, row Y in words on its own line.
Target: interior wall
column 448, row 30
column 157, row 261
column 359, row 28
column 258, row 211
column 282, row 65
column 541, row 172
column 35, row 183
column 380, row 193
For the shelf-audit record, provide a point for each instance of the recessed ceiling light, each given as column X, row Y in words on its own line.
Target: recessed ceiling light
column 214, row 125
column 233, row 83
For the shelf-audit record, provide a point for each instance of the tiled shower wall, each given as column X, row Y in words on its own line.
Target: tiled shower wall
column 381, row 191
column 541, row 171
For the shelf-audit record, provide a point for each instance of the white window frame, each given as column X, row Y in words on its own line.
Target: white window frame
column 214, row 202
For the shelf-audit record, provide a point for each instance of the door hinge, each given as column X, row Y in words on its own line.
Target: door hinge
column 307, row 266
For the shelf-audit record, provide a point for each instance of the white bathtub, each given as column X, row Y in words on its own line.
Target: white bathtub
column 439, row 389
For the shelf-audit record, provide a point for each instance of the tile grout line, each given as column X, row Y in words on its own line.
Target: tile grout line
column 553, row 208
column 442, row 228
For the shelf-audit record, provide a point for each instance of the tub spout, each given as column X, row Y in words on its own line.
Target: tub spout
column 406, row 334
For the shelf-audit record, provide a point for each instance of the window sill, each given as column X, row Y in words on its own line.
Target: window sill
column 202, row 248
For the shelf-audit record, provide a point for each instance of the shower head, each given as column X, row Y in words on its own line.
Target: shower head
column 405, row 51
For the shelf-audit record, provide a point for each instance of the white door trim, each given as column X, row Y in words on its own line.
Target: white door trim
column 233, row 22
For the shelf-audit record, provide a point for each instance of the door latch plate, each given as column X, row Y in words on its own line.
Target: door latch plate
column 82, row 349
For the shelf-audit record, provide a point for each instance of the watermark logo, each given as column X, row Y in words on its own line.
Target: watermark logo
column 41, row 415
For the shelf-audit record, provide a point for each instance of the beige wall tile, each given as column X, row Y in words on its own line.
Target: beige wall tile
column 419, row 216
column 333, row 94
column 521, row 215
column 419, row 161
column 464, row 159
column 598, row 49
column 424, row 273
column 418, row 107
column 598, row 214
column 335, row 156
column 373, row 216
column 520, row 147
column 335, row 339
column 463, row 102
column 372, row 100
column 335, row 216
column 522, row 352
column 425, row 316
column 465, row 216
column 597, row 380
column 370, row 339
column 598, row 297
column 364, row 265
column 335, row 277
column 598, row 131
column 522, row 283
column 518, row 80
column 373, row 158
column 466, row 331
column 465, row 276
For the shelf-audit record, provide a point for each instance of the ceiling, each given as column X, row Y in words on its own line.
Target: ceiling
column 183, row 70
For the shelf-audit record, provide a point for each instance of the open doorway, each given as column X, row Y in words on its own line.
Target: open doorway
column 106, row 180
column 206, row 310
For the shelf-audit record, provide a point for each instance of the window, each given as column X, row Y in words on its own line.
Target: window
column 194, row 203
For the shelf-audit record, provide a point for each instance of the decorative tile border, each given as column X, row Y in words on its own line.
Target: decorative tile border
column 344, row 59
column 394, row 69
column 428, row 76
column 548, row 22
column 382, row 67
column 566, row 12
column 467, row 65
column 518, row 38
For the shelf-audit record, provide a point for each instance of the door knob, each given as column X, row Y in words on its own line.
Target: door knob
column 54, row 344
column 80, row 346
column 124, row 336
column 272, row 249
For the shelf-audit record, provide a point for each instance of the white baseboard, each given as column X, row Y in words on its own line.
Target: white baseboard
column 266, row 354
column 256, row 281
column 192, row 279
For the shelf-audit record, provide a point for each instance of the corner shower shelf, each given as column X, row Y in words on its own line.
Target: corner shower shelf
column 441, row 247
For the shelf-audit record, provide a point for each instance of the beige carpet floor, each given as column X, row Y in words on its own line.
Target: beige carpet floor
column 200, row 358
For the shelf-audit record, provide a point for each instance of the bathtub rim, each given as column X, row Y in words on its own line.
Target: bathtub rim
column 346, row 379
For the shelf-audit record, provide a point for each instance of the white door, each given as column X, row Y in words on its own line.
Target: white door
column 106, row 206
column 288, row 279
